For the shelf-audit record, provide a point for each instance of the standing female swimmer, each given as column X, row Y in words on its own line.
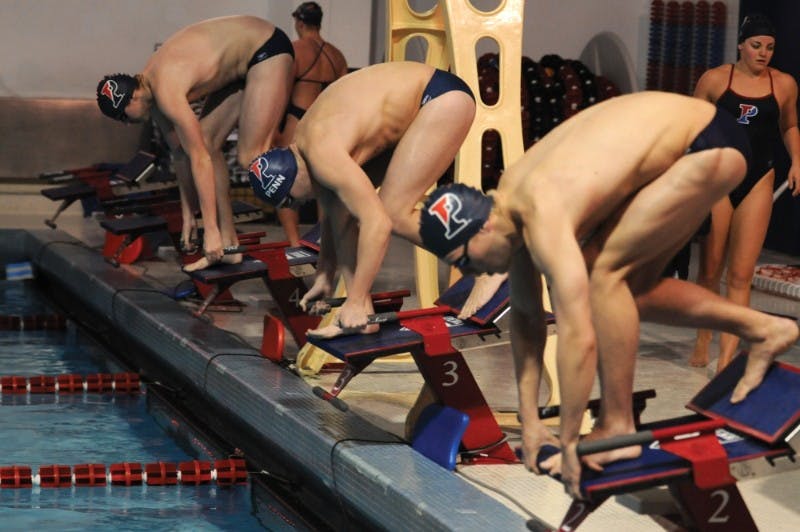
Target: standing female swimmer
column 761, row 99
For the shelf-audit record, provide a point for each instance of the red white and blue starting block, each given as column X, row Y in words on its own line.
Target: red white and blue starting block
column 462, row 421
column 282, row 269
column 692, row 455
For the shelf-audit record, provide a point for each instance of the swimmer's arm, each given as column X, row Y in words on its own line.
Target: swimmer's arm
column 551, row 241
column 187, row 127
column 528, row 331
column 328, row 245
column 528, row 334
column 789, row 131
column 334, row 169
column 183, row 172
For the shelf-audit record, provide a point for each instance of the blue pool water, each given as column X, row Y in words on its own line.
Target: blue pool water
column 82, row 428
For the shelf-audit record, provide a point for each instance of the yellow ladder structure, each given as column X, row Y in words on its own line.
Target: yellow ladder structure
column 466, row 26
column 403, row 25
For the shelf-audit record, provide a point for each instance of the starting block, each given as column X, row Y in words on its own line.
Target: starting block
column 455, row 297
column 220, row 277
column 427, row 334
column 274, row 264
column 67, row 195
column 282, row 269
column 71, row 174
column 127, row 231
column 243, row 212
column 127, row 221
column 770, row 413
column 692, row 454
column 104, row 182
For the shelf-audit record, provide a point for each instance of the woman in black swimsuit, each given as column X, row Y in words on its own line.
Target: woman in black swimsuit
column 764, row 102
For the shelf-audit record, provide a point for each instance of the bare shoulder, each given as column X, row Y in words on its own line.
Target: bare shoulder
column 720, row 72
column 302, row 46
column 783, row 80
column 303, row 53
column 339, row 60
column 336, row 53
column 712, row 83
column 168, row 84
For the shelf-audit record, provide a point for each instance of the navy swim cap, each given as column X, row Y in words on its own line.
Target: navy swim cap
column 272, row 175
column 114, row 92
column 451, row 216
column 755, row 24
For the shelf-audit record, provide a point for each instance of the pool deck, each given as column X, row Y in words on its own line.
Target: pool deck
column 273, row 416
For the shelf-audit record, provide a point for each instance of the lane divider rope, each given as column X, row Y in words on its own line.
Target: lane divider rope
column 225, row 472
column 71, row 383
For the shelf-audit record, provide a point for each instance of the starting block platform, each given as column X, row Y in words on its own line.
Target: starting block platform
column 130, row 229
column 691, row 455
column 71, row 174
column 455, row 297
column 427, row 335
column 151, row 215
column 277, row 264
column 770, row 413
column 74, row 191
column 243, row 212
column 108, row 182
column 222, row 276
column 282, row 269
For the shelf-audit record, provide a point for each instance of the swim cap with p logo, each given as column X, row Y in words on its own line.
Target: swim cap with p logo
column 272, row 175
column 451, row 216
column 114, row 92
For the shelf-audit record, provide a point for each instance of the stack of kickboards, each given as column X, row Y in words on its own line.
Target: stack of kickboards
column 553, row 90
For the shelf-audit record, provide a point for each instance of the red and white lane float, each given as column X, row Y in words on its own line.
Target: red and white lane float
column 225, row 472
column 33, row 322
column 71, row 383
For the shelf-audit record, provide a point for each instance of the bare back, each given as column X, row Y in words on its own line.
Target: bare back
column 317, row 64
column 204, row 57
column 597, row 159
column 366, row 111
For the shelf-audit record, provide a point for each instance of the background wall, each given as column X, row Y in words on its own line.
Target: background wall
column 60, row 48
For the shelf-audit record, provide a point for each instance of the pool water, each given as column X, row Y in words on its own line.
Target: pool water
column 81, row 428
